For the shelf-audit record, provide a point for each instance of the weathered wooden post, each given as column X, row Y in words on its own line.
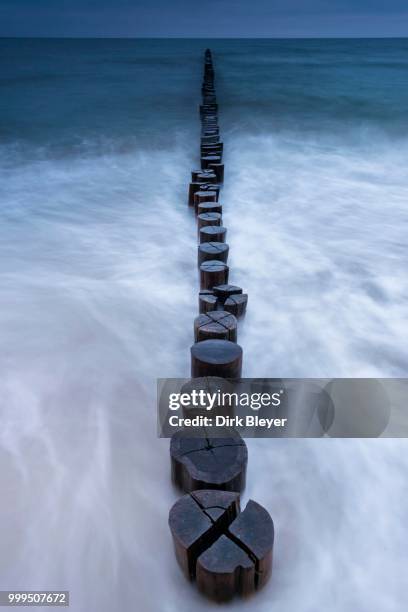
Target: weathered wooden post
column 239, row 561
column 208, row 463
column 211, row 233
column 218, row 168
column 216, row 358
column 236, row 304
column 226, row 551
column 205, row 219
column 219, row 325
column 207, row 301
column 213, row 273
column 204, row 196
column 206, row 207
column 211, row 251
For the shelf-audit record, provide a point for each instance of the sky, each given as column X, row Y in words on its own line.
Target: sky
column 208, row 18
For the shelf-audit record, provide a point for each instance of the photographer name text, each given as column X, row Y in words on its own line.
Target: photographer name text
column 225, row 421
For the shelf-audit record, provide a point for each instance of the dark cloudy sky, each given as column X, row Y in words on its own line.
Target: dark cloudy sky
column 208, row 18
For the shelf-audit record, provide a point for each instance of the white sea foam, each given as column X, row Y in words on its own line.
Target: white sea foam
column 317, row 236
column 98, row 296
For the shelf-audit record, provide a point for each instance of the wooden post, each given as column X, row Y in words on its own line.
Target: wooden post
column 210, row 251
column 207, row 207
column 213, row 273
column 211, row 385
column 218, row 168
column 216, row 358
column 204, row 196
column 236, row 304
column 206, row 160
column 208, row 463
column 192, row 528
column 212, row 233
column 225, row 291
column 226, row 551
column 197, row 173
column 206, row 219
column 207, row 301
column 218, row 324
column 240, row 560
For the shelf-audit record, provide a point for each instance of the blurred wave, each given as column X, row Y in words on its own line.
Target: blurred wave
column 98, row 296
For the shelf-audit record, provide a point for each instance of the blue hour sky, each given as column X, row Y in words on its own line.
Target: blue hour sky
column 208, row 18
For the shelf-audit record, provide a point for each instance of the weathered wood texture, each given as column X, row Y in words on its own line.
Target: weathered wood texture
column 236, row 304
column 212, row 251
column 228, row 552
column 219, row 324
column 216, row 358
column 208, row 463
column 213, row 233
column 205, row 219
column 213, row 273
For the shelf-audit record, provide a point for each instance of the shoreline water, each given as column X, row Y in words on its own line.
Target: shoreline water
column 93, row 286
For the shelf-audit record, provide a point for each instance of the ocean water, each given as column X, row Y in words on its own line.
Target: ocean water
column 99, row 292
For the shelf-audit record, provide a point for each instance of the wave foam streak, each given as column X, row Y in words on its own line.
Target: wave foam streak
column 317, row 235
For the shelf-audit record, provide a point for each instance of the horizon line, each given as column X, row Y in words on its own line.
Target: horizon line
column 171, row 37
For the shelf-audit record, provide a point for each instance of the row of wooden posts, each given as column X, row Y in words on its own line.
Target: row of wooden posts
column 226, row 551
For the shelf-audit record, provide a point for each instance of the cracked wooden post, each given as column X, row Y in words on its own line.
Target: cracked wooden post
column 205, row 219
column 225, row 291
column 236, row 304
column 219, row 324
column 207, row 301
column 213, row 233
column 212, row 251
column 226, row 551
column 191, row 527
column 239, row 562
column 208, row 463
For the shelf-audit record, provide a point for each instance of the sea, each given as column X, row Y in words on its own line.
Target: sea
column 98, row 293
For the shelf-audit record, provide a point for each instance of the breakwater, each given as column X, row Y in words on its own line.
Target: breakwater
column 225, row 550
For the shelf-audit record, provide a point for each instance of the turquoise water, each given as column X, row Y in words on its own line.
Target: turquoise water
column 98, row 296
